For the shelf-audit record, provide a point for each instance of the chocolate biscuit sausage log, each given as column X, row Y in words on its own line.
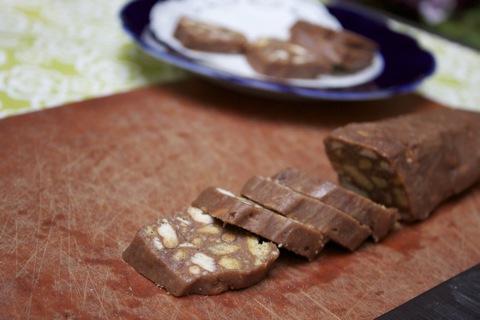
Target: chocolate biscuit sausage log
column 203, row 36
column 377, row 217
column 347, row 51
column 411, row 162
column 282, row 59
column 193, row 254
column 338, row 226
column 291, row 234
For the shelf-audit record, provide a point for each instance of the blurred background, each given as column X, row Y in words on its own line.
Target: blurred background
column 458, row 20
column 56, row 51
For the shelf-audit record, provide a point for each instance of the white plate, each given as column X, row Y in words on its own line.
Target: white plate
column 255, row 19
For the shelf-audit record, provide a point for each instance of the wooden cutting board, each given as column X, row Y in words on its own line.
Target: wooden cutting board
column 77, row 182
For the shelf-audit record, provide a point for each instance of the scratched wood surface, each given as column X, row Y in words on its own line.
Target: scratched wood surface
column 78, row 181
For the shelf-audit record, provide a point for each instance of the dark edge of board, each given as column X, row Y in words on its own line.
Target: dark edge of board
column 455, row 299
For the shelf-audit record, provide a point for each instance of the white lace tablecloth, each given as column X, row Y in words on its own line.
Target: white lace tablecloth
column 57, row 51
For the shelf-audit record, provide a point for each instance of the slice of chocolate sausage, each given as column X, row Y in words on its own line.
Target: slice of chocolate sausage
column 192, row 253
column 282, row 59
column 411, row 162
column 346, row 50
column 295, row 236
column 201, row 36
column 338, row 226
column 377, row 217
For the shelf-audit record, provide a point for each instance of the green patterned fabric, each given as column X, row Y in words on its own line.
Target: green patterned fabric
column 58, row 51
column 456, row 82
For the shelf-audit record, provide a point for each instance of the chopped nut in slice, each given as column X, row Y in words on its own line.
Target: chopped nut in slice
column 368, row 153
column 194, row 270
column 151, row 231
column 204, row 261
column 209, row 229
column 256, row 248
column 380, row 182
column 168, row 234
column 228, row 237
column 186, row 245
column 157, row 243
column 358, row 177
column 230, row 263
column 223, row 248
column 400, row 198
column 385, row 166
column 178, row 256
column 365, row 164
column 259, row 250
column 199, row 216
column 336, row 145
column 197, row 242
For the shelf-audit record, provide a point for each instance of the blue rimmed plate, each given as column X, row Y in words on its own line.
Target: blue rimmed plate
column 406, row 65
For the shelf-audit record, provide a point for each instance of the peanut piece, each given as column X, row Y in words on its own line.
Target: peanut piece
column 157, row 244
column 199, row 216
column 168, row 234
column 209, row 229
column 379, row 182
column 298, row 50
column 194, row 270
column 197, row 242
column 180, row 255
column 223, row 248
column 400, row 197
column 385, row 166
column 203, row 261
column 230, row 263
column 279, row 55
column 299, row 59
column 365, row 164
column 228, row 237
column 362, row 133
column 368, row 153
column 259, row 250
column 336, row 145
column 150, row 231
column 186, row 245
column 358, row 177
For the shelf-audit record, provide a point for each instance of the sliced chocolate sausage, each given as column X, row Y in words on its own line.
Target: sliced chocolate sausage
column 201, row 36
column 295, row 236
column 346, row 50
column 377, row 217
column 193, row 254
column 411, row 162
column 338, row 226
column 283, row 59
